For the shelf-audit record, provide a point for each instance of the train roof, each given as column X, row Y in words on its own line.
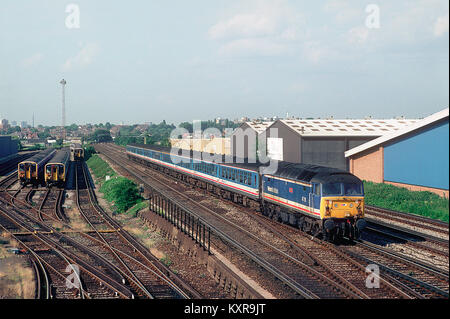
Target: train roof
column 75, row 145
column 235, row 162
column 40, row 156
column 61, row 156
column 314, row 173
column 293, row 171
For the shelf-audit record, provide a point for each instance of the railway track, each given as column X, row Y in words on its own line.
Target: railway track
column 412, row 287
column 57, row 261
column 145, row 277
column 75, row 247
column 409, row 223
column 286, row 264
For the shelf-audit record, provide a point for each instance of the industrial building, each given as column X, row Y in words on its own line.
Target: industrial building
column 216, row 145
column 8, row 148
column 244, row 138
column 324, row 141
column 415, row 157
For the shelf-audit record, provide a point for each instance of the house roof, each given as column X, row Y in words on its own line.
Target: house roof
column 404, row 130
column 335, row 127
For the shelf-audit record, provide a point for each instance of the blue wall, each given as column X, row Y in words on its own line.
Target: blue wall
column 420, row 159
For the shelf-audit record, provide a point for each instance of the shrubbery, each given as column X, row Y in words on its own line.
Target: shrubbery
column 100, row 168
column 88, row 152
column 398, row 198
column 121, row 192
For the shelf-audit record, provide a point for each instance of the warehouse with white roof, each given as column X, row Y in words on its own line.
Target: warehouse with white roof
column 324, row 141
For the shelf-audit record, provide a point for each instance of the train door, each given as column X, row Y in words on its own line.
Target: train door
column 314, row 197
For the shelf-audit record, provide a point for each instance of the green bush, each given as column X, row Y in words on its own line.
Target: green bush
column 401, row 199
column 88, row 152
column 121, row 192
column 100, row 168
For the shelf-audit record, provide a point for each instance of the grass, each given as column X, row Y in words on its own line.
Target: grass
column 121, row 192
column 136, row 208
column 401, row 199
column 100, row 168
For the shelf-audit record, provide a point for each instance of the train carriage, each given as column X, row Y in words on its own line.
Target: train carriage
column 320, row 200
column 32, row 170
column 76, row 152
column 56, row 168
column 237, row 182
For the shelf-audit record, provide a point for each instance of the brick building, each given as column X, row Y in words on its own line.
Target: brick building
column 415, row 157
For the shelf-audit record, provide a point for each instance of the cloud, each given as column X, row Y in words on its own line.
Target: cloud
column 314, row 51
column 343, row 11
column 265, row 28
column 245, row 25
column 440, row 26
column 84, row 57
column 32, row 60
column 253, row 46
column 358, row 35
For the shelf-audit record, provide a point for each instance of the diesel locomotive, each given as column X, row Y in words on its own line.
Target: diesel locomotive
column 323, row 201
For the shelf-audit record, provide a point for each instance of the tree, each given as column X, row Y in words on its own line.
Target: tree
column 100, row 136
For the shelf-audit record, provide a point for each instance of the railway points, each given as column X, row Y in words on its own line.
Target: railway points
column 413, row 292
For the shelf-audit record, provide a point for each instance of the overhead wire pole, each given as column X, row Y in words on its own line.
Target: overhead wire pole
column 63, row 131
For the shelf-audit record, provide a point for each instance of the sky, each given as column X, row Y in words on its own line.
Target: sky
column 147, row 61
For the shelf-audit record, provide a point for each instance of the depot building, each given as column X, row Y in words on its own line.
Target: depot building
column 415, row 157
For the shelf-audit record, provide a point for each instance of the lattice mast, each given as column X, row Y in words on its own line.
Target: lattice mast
column 63, row 129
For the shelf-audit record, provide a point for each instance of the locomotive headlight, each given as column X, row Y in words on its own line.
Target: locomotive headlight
column 351, row 205
column 336, row 205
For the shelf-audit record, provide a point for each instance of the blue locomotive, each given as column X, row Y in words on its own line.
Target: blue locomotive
column 319, row 200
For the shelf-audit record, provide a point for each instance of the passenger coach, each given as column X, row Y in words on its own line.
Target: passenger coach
column 316, row 199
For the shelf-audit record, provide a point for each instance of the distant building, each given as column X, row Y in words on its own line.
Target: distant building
column 324, row 141
column 217, row 145
column 243, row 139
column 8, row 147
column 415, row 156
column 4, row 124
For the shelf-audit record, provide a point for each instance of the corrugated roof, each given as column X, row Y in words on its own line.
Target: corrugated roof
column 332, row 127
column 259, row 127
column 399, row 132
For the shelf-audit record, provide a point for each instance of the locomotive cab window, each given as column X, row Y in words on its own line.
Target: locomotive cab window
column 330, row 189
column 353, row 189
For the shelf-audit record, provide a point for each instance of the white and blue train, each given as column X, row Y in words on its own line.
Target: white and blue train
column 319, row 200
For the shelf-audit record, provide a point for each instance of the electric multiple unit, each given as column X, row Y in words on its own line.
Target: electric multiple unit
column 56, row 168
column 31, row 171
